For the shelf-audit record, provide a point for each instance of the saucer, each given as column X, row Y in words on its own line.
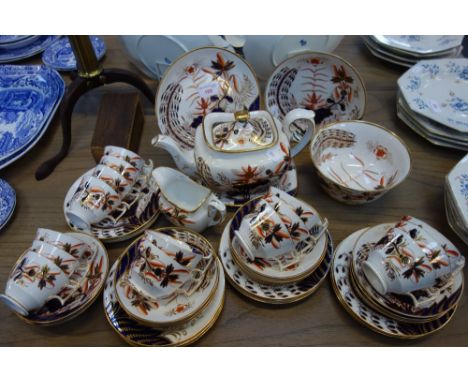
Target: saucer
column 149, row 311
column 418, row 46
column 89, row 278
column 142, row 214
column 340, row 277
column 287, row 183
column 272, row 294
column 393, row 303
column 199, row 82
column 267, row 272
column 138, row 334
column 34, row 46
column 7, row 202
column 60, row 55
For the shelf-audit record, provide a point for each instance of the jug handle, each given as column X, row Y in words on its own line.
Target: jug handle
column 216, row 211
column 289, row 119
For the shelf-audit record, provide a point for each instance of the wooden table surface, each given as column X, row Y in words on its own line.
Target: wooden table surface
column 318, row 320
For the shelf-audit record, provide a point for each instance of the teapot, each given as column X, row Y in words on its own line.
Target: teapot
column 242, row 150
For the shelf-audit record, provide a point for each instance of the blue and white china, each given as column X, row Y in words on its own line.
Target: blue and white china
column 438, row 90
column 419, row 45
column 13, row 42
column 7, row 202
column 29, row 96
column 34, row 47
column 456, row 198
column 9, row 39
column 60, row 55
column 349, row 296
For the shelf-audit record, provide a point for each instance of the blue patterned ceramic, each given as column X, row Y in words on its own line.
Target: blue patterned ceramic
column 13, row 42
column 60, row 55
column 7, row 202
column 7, row 39
column 29, row 96
column 19, row 53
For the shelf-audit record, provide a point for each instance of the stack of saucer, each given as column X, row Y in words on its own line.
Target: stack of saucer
column 456, row 199
column 18, row 47
column 408, row 50
column 113, row 201
column 276, row 249
column 433, row 101
column 400, row 279
column 167, row 288
column 57, row 278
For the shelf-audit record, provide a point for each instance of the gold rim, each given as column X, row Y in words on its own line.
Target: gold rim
column 180, row 58
column 383, row 190
column 86, row 305
column 375, row 329
column 188, row 341
column 316, row 53
column 191, row 315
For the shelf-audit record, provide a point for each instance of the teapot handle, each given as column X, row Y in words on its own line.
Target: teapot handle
column 303, row 140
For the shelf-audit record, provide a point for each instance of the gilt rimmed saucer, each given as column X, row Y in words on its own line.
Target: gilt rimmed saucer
column 88, row 281
column 149, row 311
column 31, row 49
column 7, row 202
column 340, row 277
column 135, row 333
column 60, row 55
column 265, row 271
column 142, row 214
column 401, row 305
column 272, row 294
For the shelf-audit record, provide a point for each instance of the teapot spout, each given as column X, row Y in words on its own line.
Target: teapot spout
column 184, row 159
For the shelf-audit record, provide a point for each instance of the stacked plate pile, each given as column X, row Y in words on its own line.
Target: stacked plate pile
column 433, row 101
column 456, row 199
column 14, row 48
column 167, row 288
column 276, row 249
column 408, row 50
column 401, row 279
column 29, row 97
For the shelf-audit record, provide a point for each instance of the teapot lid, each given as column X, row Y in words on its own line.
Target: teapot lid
column 242, row 131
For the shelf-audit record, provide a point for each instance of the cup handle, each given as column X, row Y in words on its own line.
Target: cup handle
column 303, row 140
column 216, row 211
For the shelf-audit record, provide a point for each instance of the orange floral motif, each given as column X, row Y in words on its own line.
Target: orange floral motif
column 314, row 61
column 248, row 175
column 313, row 101
column 380, row 152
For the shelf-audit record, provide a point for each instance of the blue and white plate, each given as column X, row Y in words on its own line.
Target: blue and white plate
column 29, row 97
column 36, row 46
column 12, row 42
column 10, row 39
column 60, row 54
column 7, row 202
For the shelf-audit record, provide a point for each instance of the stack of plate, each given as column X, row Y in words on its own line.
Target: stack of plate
column 29, row 97
column 408, row 50
column 433, row 101
column 14, row 48
column 456, row 199
column 401, row 315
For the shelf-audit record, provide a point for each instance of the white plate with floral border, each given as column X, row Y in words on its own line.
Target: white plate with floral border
column 438, row 89
column 419, row 45
column 457, row 182
column 365, row 315
column 453, row 219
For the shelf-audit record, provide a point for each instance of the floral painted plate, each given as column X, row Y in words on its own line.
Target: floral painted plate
column 262, row 269
column 142, row 214
column 457, row 184
column 438, row 89
column 60, row 55
column 404, row 305
column 7, row 202
column 138, row 334
column 199, row 82
column 316, row 81
column 419, row 45
column 147, row 310
column 88, row 279
column 272, row 294
column 35, row 47
column 340, row 277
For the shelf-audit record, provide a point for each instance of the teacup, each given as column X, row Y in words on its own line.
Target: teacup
column 186, row 203
column 33, row 282
column 398, row 264
column 120, row 185
column 93, row 202
column 65, row 261
column 77, row 248
column 129, row 172
column 263, row 234
column 126, row 155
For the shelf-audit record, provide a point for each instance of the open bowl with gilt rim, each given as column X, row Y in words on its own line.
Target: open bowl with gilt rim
column 358, row 162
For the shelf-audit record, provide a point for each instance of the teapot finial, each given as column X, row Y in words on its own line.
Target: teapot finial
column 242, row 116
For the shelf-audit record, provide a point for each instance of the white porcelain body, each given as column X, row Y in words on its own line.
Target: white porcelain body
column 457, row 181
column 75, row 247
column 128, row 156
column 62, row 259
column 129, row 172
column 118, row 183
column 223, row 171
column 186, row 203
